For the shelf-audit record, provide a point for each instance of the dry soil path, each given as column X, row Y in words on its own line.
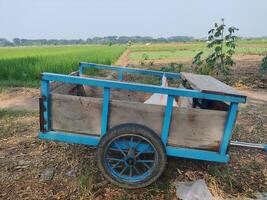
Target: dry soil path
column 19, row 98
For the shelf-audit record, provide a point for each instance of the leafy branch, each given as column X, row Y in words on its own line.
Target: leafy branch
column 222, row 49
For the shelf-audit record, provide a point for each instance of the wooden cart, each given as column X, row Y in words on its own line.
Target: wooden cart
column 134, row 138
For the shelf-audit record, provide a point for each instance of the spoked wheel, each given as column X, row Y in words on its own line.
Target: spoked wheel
column 131, row 156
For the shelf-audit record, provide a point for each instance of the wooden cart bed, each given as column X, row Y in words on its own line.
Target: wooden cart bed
column 74, row 111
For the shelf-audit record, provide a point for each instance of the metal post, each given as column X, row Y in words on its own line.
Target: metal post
column 120, row 75
column 45, row 97
column 81, row 70
column 167, row 120
column 105, row 111
column 232, row 113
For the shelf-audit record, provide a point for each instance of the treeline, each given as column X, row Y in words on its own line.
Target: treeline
column 95, row 40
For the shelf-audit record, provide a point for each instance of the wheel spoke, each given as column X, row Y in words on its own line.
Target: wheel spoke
column 115, row 159
column 146, row 161
column 137, row 143
column 119, row 149
column 135, row 168
column 126, row 143
column 123, row 170
column 145, row 165
column 131, row 171
column 116, row 165
column 114, row 149
column 140, row 152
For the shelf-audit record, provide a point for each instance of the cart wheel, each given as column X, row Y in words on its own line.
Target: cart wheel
column 131, row 156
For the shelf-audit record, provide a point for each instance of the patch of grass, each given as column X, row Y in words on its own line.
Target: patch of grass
column 191, row 46
column 19, row 83
column 251, row 50
column 87, row 180
column 252, row 42
column 163, row 54
column 189, row 50
column 25, row 64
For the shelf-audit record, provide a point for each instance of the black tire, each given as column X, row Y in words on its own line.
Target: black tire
column 137, row 130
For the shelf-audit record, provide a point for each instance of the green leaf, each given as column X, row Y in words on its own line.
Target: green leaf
column 211, row 31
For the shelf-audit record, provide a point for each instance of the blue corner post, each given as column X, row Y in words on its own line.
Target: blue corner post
column 232, row 113
column 167, row 120
column 81, row 69
column 45, row 96
column 120, row 75
column 105, row 111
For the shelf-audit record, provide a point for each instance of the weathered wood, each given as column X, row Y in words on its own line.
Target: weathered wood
column 116, row 94
column 76, row 114
column 197, row 128
column 208, row 84
column 131, row 112
column 64, row 88
column 194, row 128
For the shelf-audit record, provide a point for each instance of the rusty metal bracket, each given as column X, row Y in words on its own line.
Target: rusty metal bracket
column 41, row 114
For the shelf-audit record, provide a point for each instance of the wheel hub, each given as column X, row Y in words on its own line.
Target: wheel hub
column 130, row 161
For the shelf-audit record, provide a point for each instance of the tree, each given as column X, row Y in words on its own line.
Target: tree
column 222, row 44
column 5, row 43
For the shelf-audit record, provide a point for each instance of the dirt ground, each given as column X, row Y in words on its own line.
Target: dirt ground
column 35, row 169
column 19, row 98
column 24, row 159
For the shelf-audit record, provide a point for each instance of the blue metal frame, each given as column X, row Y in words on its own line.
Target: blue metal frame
column 232, row 113
column 220, row 156
column 139, row 87
column 105, row 112
column 167, row 120
column 121, row 70
column 45, row 96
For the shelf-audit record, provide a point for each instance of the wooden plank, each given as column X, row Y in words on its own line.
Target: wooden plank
column 116, row 94
column 131, row 112
column 208, row 84
column 64, row 88
column 197, row 128
column 76, row 114
column 193, row 128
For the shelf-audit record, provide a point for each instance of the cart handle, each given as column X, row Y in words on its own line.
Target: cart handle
column 249, row 145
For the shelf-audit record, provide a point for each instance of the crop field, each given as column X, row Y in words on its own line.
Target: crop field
column 188, row 50
column 22, row 66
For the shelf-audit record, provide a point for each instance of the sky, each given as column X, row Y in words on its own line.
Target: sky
column 74, row 19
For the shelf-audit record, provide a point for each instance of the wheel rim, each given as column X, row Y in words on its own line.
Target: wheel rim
column 130, row 158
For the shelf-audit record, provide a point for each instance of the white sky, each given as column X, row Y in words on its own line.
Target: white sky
column 73, row 19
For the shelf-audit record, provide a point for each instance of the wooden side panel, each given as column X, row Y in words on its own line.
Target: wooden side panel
column 194, row 128
column 116, row 94
column 76, row 114
column 197, row 128
column 64, row 88
column 131, row 112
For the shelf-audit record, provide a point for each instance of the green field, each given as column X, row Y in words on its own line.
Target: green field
column 189, row 50
column 22, row 66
